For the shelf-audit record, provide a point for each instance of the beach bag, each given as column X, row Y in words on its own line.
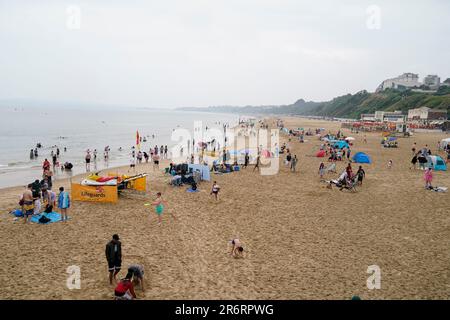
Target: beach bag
column 44, row 219
column 48, row 209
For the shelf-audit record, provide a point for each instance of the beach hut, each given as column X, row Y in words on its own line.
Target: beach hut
column 361, row 157
column 320, row 154
column 436, row 163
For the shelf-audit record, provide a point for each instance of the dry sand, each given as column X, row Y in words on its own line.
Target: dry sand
column 302, row 241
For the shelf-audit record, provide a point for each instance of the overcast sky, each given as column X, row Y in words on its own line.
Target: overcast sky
column 215, row 52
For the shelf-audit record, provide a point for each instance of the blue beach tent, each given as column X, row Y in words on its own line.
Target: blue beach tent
column 341, row 144
column 361, row 157
column 436, row 163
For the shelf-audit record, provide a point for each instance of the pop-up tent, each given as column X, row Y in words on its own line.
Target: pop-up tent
column 203, row 169
column 361, row 157
column 320, row 154
column 341, row 144
column 436, row 163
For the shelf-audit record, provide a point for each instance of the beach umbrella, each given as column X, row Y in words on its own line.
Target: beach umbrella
column 266, row 153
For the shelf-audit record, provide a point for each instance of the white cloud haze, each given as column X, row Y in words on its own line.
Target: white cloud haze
column 214, row 52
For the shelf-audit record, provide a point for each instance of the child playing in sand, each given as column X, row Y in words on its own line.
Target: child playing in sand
column 321, row 170
column 237, row 250
column 428, row 177
column 138, row 274
column 215, row 190
column 159, row 207
column 125, row 288
column 389, row 165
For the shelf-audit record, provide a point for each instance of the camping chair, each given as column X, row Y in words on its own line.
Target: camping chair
column 331, row 168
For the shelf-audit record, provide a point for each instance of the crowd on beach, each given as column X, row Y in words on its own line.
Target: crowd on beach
column 39, row 199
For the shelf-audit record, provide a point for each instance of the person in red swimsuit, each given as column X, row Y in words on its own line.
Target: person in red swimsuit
column 125, row 289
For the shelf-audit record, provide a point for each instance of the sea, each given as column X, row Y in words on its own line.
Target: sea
column 80, row 129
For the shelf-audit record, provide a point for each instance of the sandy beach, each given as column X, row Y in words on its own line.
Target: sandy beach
column 302, row 240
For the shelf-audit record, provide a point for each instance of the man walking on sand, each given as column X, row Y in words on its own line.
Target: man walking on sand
column 294, row 163
column 113, row 254
column 257, row 163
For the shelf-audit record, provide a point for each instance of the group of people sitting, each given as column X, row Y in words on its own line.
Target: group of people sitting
column 224, row 167
column 181, row 175
column 39, row 198
column 348, row 179
column 336, row 154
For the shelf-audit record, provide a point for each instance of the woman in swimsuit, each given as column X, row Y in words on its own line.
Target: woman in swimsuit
column 215, row 190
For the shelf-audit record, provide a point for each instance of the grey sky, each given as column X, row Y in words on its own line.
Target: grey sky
column 214, row 52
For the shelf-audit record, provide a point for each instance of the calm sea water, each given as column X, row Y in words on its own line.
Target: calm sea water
column 81, row 129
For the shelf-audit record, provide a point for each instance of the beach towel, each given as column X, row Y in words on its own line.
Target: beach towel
column 190, row 190
column 53, row 216
column 440, row 189
column 63, row 200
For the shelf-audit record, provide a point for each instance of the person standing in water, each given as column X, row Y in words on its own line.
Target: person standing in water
column 88, row 160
